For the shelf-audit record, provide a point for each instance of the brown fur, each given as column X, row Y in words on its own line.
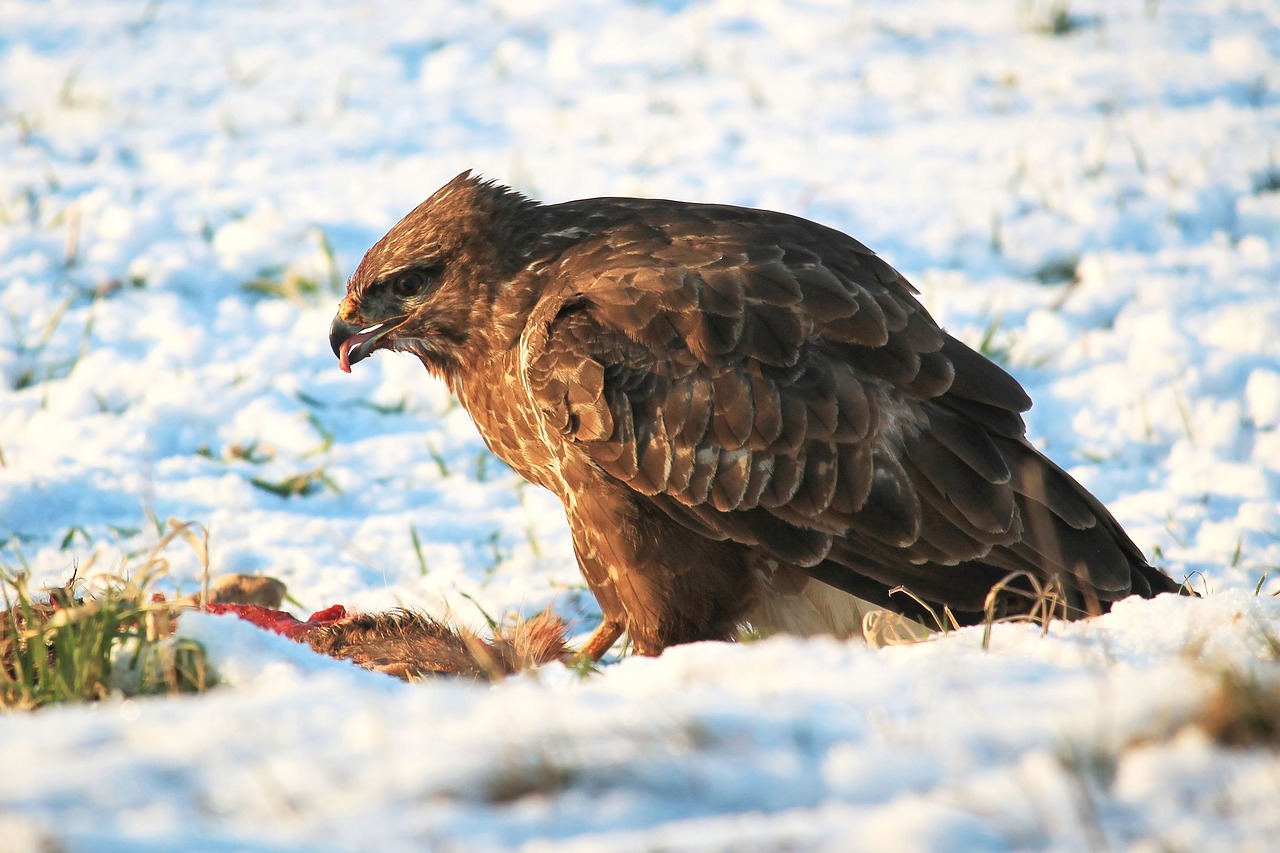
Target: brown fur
column 412, row 645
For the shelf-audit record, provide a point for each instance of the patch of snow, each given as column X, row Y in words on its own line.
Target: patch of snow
column 1110, row 195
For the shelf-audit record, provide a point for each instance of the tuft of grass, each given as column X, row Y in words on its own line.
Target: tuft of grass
column 1242, row 711
column 989, row 346
column 944, row 625
column 255, row 453
column 530, row 532
column 438, row 458
column 498, row 554
column 537, row 774
column 1184, row 412
column 417, row 550
column 489, row 620
column 301, row 288
column 288, row 284
column 1257, row 589
column 1058, row 270
column 145, row 19
column 397, row 408
column 882, row 628
column 71, row 249
column 531, row 536
column 1266, row 181
column 32, row 348
column 752, row 634
column 309, row 401
column 1189, row 582
column 326, row 435
column 333, row 273
column 583, row 666
column 87, row 641
column 298, row 485
column 73, row 533
column 997, row 344
column 1054, row 18
column 1047, row 602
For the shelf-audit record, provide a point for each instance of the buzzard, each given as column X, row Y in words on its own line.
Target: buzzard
column 749, row 417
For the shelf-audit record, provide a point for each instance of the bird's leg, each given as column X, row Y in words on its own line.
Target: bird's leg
column 602, row 639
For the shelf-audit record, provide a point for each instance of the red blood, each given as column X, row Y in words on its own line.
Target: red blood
column 279, row 621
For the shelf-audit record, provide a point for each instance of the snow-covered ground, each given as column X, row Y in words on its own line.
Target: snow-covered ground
column 1102, row 203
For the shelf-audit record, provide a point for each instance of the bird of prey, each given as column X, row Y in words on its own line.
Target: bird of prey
column 749, row 417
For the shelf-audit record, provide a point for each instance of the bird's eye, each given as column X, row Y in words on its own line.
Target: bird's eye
column 410, row 283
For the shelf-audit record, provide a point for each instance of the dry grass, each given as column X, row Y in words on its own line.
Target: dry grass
column 91, row 639
column 882, row 628
column 1242, row 711
column 1046, row 602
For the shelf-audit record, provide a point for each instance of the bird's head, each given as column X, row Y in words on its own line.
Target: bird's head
column 428, row 287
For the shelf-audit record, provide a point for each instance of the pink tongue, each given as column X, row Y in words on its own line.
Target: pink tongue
column 344, row 351
column 342, row 355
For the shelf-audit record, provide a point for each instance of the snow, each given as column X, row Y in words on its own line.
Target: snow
column 1109, row 195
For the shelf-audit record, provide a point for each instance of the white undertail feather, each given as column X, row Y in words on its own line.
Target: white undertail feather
column 814, row 609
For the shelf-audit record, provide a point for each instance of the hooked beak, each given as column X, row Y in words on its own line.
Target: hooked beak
column 352, row 343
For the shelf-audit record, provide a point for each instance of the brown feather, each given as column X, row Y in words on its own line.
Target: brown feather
column 733, row 414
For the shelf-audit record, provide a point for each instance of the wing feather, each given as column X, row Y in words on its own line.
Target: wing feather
column 772, row 382
column 866, row 326
column 766, row 426
column 733, row 416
